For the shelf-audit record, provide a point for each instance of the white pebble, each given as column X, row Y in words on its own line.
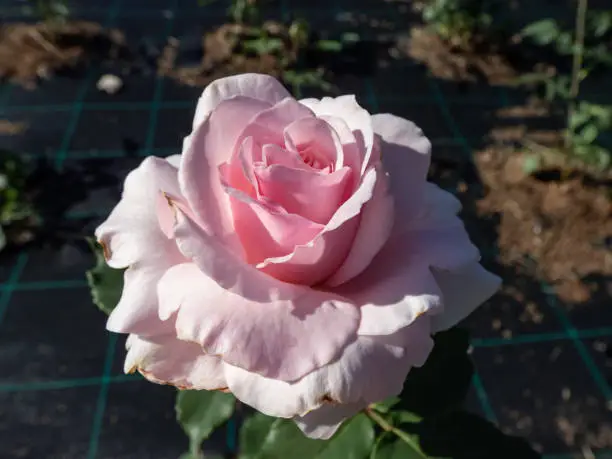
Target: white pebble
column 110, row 84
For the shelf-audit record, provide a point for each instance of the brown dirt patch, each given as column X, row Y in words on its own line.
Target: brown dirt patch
column 29, row 52
column 224, row 54
column 445, row 61
column 562, row 221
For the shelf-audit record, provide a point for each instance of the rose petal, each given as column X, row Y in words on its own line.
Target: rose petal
column 357, row 119
column 266, row 232
column 314, row 262
column 463, row 290
column 223, row 266
column 406, row 155
column 170, row 361
column 393, row 291
column 132, row 227
column 317, row 143
column 239, row 173
column 283, row 339
column 211, row 144
column 323, row 422
column 436, row 235
column 374, row 230
column 128, row 235
column 275, row 155
column 255, row 86
column 313, row 195
column 352, row 154
column 369, row 370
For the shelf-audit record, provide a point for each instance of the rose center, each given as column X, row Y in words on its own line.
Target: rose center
column 315, row 160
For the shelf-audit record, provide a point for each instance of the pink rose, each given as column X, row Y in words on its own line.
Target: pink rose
column 293, row 254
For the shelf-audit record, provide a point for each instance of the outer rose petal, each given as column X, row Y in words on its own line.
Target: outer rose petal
column 283, row 339
column 323, row 422
column 170, row 361
column 406, row 154
column 370, row 369
column 252, row 85
column 436, row 235
column 131, row 228
column 128, row 235
column 393, row 291
column 464, row 290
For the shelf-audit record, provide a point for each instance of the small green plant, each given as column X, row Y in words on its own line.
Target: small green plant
column 14, row 204
column 244, row 11
column 54, row 11
column 597, row 35
column 588, row 125
column 288, row 44
column 458, row 21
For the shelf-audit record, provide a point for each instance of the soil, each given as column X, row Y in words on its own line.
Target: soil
column 473, row 63
column 556, row 222
column 564, row 224
column 224, row 55
column 30, row 52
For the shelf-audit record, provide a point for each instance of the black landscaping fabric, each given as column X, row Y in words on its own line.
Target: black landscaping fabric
column 63, row 394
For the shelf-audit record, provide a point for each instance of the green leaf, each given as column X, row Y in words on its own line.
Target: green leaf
column 389, row 446
column 331, row 46
column 262, row 437
column 589, row 133
column 565, row 43
column 264, row 45
column 531, row 164
column 253, row 434
column 350, row 37
column 542, row 32
column 200, row 412
column 106, row 283
column 601, row 23
column 531, row 78
column 386, row 405
column 443, row 382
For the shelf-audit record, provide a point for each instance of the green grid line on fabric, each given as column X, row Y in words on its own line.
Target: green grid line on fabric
column 66, row 383
column 79, row 102
column 96, row 429
column 11, row 283
column 190, row 104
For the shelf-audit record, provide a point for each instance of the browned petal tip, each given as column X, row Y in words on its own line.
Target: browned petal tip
column 105, row 250
column 328, row 399
column 171, row 205
column 153, row 379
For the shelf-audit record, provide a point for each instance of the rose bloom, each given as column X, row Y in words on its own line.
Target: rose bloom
column 294, row 254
